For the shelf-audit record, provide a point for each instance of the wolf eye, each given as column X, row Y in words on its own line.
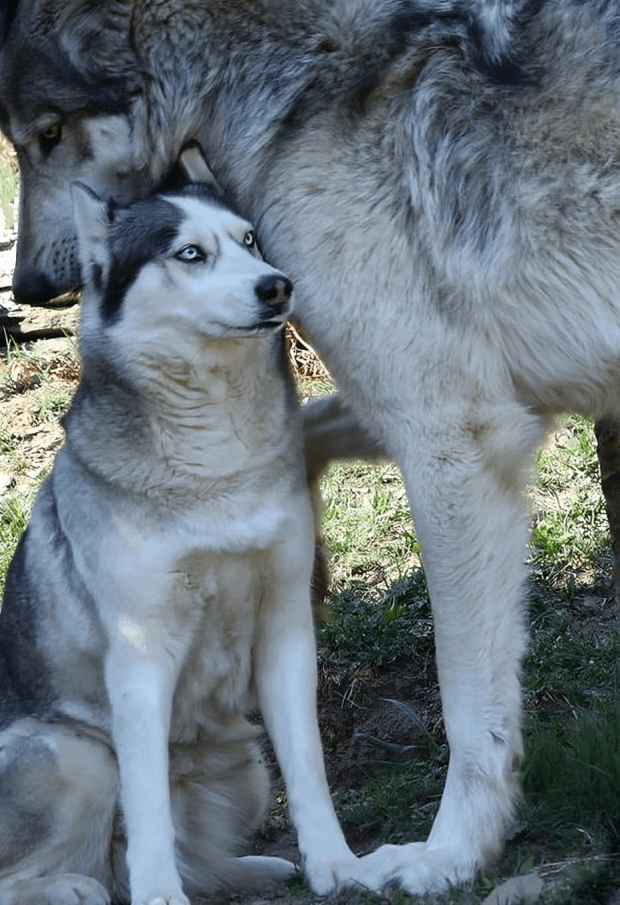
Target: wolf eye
column 50, row 138
column 249, row 239
column 191, row 254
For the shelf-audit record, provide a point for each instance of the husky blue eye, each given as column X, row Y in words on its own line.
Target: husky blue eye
column 191, row 254
column 248, row 240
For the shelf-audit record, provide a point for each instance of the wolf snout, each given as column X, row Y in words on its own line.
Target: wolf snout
column 274, row 291
column 30, row 287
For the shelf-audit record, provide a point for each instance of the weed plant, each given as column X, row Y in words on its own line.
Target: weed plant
column 8, row 180
column 14, row 514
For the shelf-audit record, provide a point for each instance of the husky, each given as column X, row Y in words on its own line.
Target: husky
column 161, row 589
column 441, row 181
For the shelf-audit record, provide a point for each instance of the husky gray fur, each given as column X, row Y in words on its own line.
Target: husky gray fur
column 162, row 585
column 441, row 179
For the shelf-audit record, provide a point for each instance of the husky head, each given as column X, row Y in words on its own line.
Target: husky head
column 179, row 264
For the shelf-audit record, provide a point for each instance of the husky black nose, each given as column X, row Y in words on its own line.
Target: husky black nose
column 274, row 290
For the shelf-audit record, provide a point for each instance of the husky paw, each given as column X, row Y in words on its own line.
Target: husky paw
column 327, row 877
column 63, row 889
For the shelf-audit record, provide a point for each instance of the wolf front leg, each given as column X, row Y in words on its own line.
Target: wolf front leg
column 465, row 485
column 140, row 688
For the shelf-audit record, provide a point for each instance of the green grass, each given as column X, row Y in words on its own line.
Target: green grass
column 367, row 527
column 28, row 371
column 366, row 628
column 571, row 779
column 380, row 620
column 570, row 535
column 14, row 514
column 8, row 182
column 53, row 404
column 387, row 806
column 570, row 812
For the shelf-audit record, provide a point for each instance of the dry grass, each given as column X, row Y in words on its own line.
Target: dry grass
column 306, row 363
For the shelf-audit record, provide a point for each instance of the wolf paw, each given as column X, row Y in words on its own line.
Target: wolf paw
column 415, row 867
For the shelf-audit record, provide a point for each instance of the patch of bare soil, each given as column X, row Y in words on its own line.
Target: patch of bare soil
column 30, row 393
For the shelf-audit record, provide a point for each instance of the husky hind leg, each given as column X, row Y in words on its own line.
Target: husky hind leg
column 58, row 794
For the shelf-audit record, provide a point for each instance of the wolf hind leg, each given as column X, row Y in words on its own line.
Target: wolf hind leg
column 58, row 791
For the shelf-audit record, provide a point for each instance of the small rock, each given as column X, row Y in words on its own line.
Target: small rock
column 526, row 888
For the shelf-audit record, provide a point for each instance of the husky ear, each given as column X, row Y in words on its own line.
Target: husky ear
column 193, row 166
column 92, row 223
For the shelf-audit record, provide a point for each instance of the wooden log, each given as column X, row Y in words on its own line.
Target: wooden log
column 22, row 324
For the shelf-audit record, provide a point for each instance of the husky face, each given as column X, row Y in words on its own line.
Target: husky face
column 177, row 262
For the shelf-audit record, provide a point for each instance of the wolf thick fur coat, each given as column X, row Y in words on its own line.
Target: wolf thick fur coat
column 442, row 182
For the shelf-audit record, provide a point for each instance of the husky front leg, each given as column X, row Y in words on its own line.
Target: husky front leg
column 286, row 678
column 465, row 485
column 140, row 688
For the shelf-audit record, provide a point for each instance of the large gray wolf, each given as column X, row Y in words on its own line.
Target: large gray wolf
column 162, row 585
column 441, row 180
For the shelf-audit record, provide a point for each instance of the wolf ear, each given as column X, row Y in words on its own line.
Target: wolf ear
column 8, row 11
column 92, row 222
column 193, row 166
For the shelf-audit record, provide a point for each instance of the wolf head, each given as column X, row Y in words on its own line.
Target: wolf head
column 107, row 93
column 174, row 270
column 59, row 139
